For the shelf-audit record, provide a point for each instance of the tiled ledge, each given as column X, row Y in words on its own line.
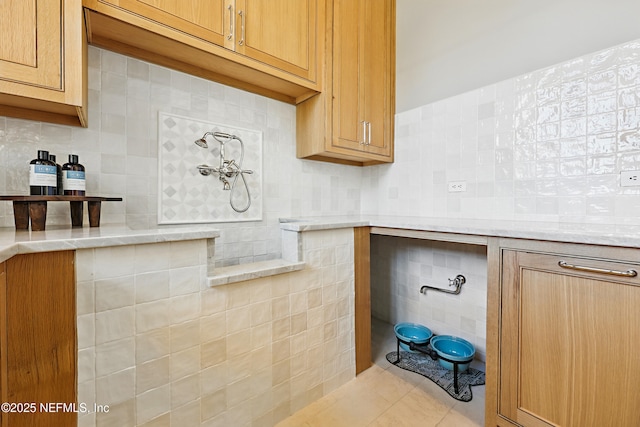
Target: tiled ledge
column 255, row 270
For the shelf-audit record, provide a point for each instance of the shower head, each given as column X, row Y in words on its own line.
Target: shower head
column 201, row 143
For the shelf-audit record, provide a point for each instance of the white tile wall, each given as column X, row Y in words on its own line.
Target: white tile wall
column 159, row 347
column 403, row 265
column 120, row 152
column 548, row 145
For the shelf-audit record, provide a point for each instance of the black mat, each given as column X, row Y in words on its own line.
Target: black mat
column 425, row 366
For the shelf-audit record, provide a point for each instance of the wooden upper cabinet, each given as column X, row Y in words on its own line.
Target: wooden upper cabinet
column 201, row 18
column 270, row 47
column 363, row 76
column 42, row 61
column 358, row 105
column 279, row 32
column 377, row 66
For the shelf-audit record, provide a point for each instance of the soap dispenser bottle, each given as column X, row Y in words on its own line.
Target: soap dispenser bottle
column 42, row 175
column 59, row 191
column 73, row 177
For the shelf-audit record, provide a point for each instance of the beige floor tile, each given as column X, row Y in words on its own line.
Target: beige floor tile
column 299, row 419
column 359, row 408
column 456, row 419
column 385, row 395
column 410, row 412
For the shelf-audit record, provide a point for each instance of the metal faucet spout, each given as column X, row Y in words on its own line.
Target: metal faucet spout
column 457, row 282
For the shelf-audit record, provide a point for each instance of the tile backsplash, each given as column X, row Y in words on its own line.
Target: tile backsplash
column 186, row 196
column 120, row 152
column 548, row 145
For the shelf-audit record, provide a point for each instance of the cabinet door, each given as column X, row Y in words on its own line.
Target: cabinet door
column 377, row 76
column 42, row 61
column 3, row 341
column 349, row 127
column 569, row 342
column 363, row 82
column 30, row 49
column 205, row 19
column 281, row 33
column 38, row 360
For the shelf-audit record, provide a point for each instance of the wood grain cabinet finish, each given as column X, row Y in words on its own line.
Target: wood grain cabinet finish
column 281, row 33
column 43, row 61
column 265, row 46
column 568, row 340
column 352, row 120
column 38, row 349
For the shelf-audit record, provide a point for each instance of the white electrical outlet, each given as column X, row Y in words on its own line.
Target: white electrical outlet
column 457, row 186
column 629, row 178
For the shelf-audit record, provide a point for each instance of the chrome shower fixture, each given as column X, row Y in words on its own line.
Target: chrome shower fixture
column 227, row 168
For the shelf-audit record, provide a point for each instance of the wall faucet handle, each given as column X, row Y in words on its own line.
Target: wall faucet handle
column 458, row 281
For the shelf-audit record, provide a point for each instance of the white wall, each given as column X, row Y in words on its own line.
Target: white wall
column 445, row 48
column 546, row 145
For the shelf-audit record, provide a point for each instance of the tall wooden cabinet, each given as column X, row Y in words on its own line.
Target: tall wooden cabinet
column 352, row 120
column 43, row 61
column 567, row 349
column 269, row 47
column 38, row 350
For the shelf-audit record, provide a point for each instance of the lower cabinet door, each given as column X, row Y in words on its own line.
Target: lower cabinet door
column 570, row 329
column 38, row 367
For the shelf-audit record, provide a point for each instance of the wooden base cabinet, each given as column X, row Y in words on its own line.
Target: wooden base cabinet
column 352, row 120
column 567, row 348
column 43, row 70
column 38, row 349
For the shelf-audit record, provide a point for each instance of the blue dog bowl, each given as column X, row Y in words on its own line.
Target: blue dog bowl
column 453, row 348
column 412, row 332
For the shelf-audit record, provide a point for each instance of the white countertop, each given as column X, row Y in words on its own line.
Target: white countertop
column 598, row 234
column 14, row 242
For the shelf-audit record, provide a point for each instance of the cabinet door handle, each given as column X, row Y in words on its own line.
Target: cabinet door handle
column 364, row 133
column 369, row 135
column 628, row 273
column 230, row 36
column 242, row 19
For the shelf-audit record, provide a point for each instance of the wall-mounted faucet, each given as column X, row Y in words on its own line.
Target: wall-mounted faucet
column 227, row 168
column 457, row 282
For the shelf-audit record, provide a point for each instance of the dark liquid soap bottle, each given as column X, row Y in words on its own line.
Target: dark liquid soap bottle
column 59, row 192
column 73, row 178
column 43, row 178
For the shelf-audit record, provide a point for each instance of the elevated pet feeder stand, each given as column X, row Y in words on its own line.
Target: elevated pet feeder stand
column 434, row 356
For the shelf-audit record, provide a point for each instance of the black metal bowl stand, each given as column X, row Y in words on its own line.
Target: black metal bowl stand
column 422, row 348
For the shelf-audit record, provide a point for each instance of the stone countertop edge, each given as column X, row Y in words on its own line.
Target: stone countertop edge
column 256, row 270
column 14, row 242
column 586, row 233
